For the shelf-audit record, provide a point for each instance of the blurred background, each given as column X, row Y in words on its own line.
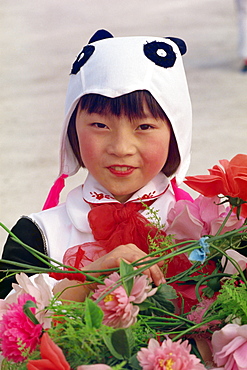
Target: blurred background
column 39, row 40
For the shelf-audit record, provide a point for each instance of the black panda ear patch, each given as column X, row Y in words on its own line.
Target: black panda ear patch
column 180, row 43
column 100, row 35
column 160, row 53
column 88, row 50
column 82, row 58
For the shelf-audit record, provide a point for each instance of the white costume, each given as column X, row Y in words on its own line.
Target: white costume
column 112, row 67
column 67, row 225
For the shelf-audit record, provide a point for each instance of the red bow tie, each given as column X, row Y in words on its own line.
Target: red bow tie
column 114, row 224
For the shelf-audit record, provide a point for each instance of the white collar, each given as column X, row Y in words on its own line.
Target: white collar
column 77, row 202
column 93, row 192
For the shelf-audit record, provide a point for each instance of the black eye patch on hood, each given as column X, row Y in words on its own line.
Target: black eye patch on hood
column 160, row 53
column 88, row 50
column 82, row 58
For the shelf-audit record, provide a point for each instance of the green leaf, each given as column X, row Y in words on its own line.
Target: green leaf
column 125, row 270
column 123, row 342
column 93, row 314
column 28, row 312
column 214, row 284
column 108, row 342
column 165, row 305
column 145, row 305
column 134, row 363
column 165, row 291
column 161, row 300
column 209, row 292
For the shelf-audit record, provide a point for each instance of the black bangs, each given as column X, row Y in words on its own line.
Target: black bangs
column 130, row 105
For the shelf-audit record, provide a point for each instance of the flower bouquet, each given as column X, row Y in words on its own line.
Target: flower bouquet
column 196, row 320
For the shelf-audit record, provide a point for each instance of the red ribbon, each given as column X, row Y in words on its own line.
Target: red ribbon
column 114, row 224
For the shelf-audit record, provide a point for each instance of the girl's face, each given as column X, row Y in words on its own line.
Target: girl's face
column 122, row 155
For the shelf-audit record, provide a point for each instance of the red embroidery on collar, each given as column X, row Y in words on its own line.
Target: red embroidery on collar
column 148, row 196
column 100, row 196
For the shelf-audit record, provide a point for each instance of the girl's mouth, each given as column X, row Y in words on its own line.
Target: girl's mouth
column 121, row 170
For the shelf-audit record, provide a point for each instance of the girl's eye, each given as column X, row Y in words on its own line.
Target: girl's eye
column 144, row 127
column 99, row 125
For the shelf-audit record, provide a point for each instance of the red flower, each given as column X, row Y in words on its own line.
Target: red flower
column 52, row 357
column 229, row 180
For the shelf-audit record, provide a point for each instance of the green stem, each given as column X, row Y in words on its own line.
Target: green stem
column 225, row 221
column 179, row 318
column 205, row 278
column 235, row 264
column 191, row 329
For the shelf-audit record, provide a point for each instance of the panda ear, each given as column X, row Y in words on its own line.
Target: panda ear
column 100, row 35
column 180, row 43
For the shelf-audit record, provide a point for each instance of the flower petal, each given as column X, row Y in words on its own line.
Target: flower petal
column 230, row 180
column 43, row 364
column 240, row 356
column 50, row 351
column 239, row 258
column 207, row 185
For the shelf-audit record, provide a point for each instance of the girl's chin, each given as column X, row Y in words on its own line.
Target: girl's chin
column 123, row 198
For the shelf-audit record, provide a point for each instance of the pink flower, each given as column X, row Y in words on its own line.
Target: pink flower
column 197, row 315
column 18, row 334
column 230, row 347
column 204, row 216
column 239, row 258
column 38, row 287
column 94, row 367
column 141, row 289
column 168, row 355
column 118, row 308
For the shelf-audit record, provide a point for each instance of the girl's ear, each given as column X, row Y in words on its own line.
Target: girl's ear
column 180, row 43
column 100, row 35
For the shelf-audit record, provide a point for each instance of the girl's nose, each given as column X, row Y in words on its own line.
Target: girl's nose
column 122, row 144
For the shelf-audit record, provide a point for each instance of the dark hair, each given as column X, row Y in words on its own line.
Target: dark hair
column 130, row 105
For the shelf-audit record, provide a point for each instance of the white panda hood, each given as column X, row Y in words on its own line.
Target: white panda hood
column 116, row 66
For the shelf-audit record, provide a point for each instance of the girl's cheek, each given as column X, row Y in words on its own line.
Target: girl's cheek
column 157, row 151
column 88, row 148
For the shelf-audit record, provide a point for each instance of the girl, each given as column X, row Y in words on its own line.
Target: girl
column 128, row 121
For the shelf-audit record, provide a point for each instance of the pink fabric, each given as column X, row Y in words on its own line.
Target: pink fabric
column 179, row 193
column 52, row 199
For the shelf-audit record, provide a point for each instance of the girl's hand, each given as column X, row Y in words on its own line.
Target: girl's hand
column 71, row 290
column 129, row 253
